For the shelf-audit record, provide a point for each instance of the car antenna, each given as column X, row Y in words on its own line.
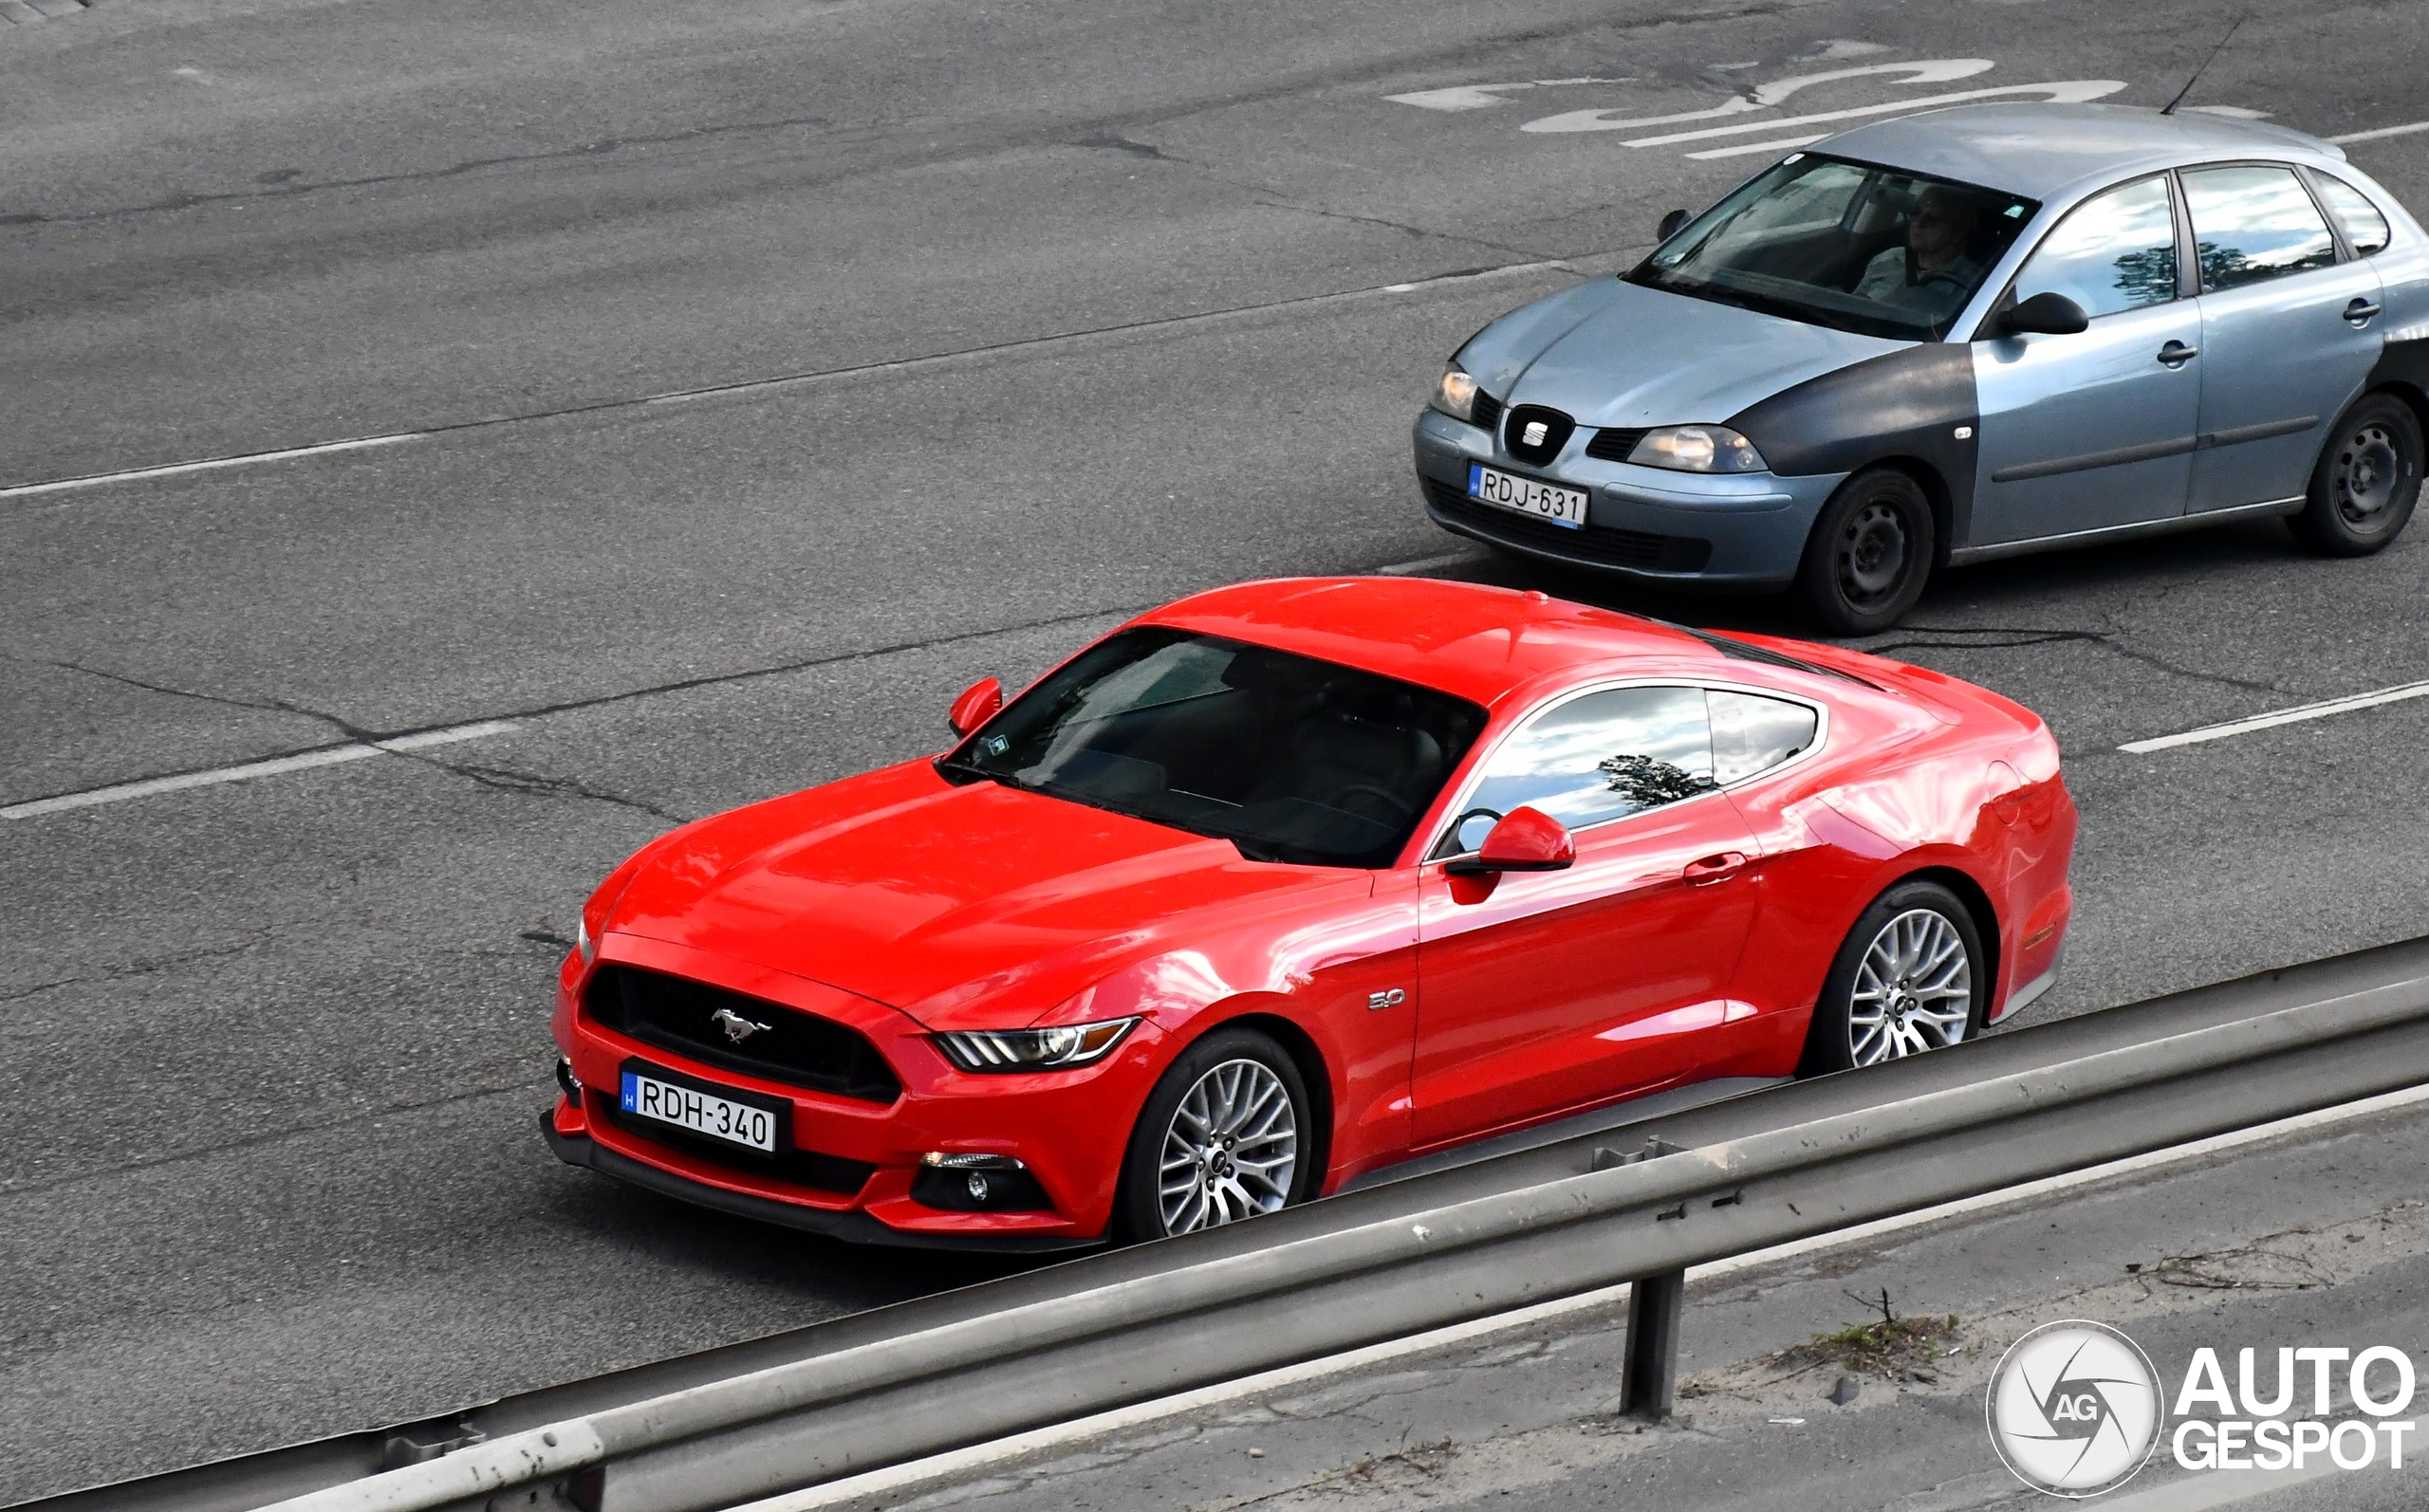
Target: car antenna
column 2169, row 109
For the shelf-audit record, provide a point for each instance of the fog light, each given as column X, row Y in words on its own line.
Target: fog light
column 969, row 1182
column 566, row 1082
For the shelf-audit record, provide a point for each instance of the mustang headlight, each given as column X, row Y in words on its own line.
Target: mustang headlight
column 1004, row 1050
column 587, row 946
column 1698, row 448
column 1456, row 395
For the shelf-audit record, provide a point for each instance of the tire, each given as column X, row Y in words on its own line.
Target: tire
column 1853, row 1026
column 1261, row 1168
column 2367, row 480
column 1870, row 553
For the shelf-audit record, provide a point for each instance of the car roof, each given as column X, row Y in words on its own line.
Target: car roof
column 1477, row 641
column 2038, row 150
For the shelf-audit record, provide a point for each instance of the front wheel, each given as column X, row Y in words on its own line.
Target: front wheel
column 1911, row 977
column 1870, row 555
column 1226, row 1134
column 2366, row 482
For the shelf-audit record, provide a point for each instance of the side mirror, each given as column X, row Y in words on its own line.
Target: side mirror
column 1526, row 840
column 978, row 704
column 1672, row 224
column 2050, row 314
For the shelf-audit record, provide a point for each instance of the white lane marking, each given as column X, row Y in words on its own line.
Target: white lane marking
column 1404, row 569
column 1484, row 97
column 2214, row 1488
column 1929, row 72
column 1775, row 144
column 304, row 761
column 2406, row 130
column 2283, row 717
column 242, row 459
column 956, row 1460
column 789, row 381
column 2068, row 91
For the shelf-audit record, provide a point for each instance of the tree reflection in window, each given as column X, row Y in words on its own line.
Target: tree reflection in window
column 1649, row 784
column 2146, row 277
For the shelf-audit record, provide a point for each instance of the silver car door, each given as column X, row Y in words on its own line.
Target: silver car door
column 2094, row 430
column 2287, row 332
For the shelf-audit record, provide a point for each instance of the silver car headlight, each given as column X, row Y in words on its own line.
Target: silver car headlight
column 1698, row 448
column 1010, row 1050
column 1454, row 395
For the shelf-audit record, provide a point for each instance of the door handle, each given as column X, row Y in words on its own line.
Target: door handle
column 2175, row 354
column 2360, row 313
column 1713, row 869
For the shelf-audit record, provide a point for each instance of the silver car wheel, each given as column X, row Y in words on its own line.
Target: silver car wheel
column 1914, row 991
column 1872, row 553
column 1230, row 1149
column 2369, row 471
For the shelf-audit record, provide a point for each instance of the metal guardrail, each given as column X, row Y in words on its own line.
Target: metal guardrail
column 900, row 1383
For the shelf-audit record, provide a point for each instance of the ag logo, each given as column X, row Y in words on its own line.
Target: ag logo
column 2074, row 1409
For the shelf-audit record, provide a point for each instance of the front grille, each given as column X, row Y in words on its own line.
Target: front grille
column 1595, row 544
column 1485, row 410
column 1613, row 446
column 801, row 1167
column 796, row 1049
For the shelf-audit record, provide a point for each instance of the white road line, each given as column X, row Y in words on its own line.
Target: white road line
column 243, row 459
column 2215, row 1489
column 303, row 761
column 2406, row 130
column 1404, row 569
column 956, row 1462
column 2283, row 717
column 1777, row 144
column 2069, row 90
column 787, row 381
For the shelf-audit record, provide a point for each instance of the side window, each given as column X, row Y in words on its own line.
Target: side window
column 1599, row 757
column 2113, row 252
column 2362, row 224
column 1751, row 734
column 2252, row 224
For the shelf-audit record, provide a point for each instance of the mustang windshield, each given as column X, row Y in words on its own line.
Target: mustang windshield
column 1290, row 758
column 1876, row 250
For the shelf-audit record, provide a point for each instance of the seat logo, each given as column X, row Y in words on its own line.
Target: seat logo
column 1389, row 998
column 1537, row 430
column 2074, row 1409
column 736, row 1027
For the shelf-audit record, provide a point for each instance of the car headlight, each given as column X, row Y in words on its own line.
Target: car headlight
column 583, row 944
column 1006, row 1050
column 1698, row 448
column 1454, row 395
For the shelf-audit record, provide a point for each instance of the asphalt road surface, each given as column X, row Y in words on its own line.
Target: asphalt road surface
column 737, row 383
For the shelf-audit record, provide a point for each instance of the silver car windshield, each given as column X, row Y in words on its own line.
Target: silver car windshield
column 1877, row 251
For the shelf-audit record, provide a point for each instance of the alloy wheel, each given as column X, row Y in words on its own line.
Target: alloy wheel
column 1872, row 553
column 1914, row 991
column 1230, row 1149
column 2369, row 471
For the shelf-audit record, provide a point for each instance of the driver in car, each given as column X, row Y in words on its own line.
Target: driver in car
column 1934, row 269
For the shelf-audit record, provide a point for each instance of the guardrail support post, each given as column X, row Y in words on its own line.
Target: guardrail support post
column 1649, row 1380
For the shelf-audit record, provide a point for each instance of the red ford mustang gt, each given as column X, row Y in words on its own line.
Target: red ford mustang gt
column 1288, row 882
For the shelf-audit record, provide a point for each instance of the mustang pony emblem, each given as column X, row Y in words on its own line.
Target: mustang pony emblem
column 736, row 1027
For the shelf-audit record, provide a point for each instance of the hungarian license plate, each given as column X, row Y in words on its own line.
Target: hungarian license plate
column 1562, row 507
column 753, row 1128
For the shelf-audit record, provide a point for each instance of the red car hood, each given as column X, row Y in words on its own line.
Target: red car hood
column 962, row 906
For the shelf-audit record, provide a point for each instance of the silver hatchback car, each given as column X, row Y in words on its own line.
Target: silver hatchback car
column 1951, row 336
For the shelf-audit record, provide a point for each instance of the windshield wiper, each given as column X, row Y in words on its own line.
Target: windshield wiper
column 947, row 763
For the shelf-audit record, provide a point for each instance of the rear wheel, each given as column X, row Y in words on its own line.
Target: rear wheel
column 1226, row 1135
column 2367, row 480
column 1870, row 555
column 1911, row 977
